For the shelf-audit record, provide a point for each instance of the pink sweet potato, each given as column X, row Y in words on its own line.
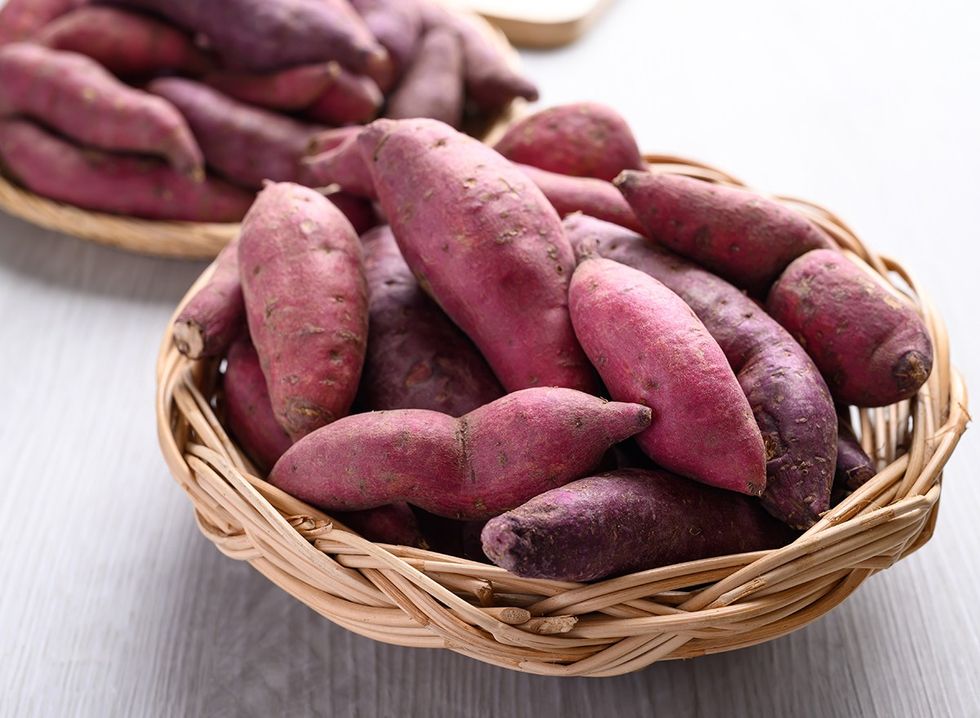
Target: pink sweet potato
column 594, row 197
column 358, row 211
column 624, row 521
column 416, row 357
column 871, row 347
column 343, row 165
column 289, row 90
column 392, row 524
column 433, row 85
column 215, row 315
column 22, row 19
column 306, row 303
column 78, row 97
column 106, row 182
column 349, row 100
column 854, row 467
column 583, row 139
column 263, row 36
column 128, row 44
column 397, row 25
column 488, row 461
column 737, row 234
column 331, row 139
column 789, row 399
column 650, row 348
column 244, row 144
column 485, row 244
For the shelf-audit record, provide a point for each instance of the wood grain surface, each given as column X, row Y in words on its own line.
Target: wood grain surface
column 112, row 604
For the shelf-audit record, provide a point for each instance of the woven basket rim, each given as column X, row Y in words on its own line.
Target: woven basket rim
column 412, row 597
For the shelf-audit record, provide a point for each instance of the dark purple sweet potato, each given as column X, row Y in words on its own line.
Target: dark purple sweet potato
column 433, row 85
column 244, row 144
column 583, row 139
column 215, row 315
column 854, row 467
column 397, row 25
column 871, row 347
column 342, row 165
column 289, row 90
column 349, row 100
column 358, row 211
column 108, row 182
column 22, row 19
column 393, row 524
column 789, row 399
column 416, row 357
column 739, row 235
column 594, row 197
column 624, row 521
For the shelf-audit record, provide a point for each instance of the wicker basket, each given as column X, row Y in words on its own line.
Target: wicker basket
column 183, row 240
column 412, row 597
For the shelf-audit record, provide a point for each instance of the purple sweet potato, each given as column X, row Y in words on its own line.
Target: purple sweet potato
column 306, row 303
column 349, row 100
column 485, row 244
column 416, row 357
column 78, row 97
column 737, row 234
column 596, row 198
column 625, row 521
column 650, row 348
column 393, row 524
column 215, row 315
column 289, row 90
column 583, row 139
column 488, row 461
column 854, row 467
column 789, row 399
column 342, row 165
column 871, row 347
column 107, row 182
column 22, row 19
column 433, row 85
column 331, row 139
column 262, row 36
column 358, row 211
column 397, row 25
column 244, row 144
column 128, row 44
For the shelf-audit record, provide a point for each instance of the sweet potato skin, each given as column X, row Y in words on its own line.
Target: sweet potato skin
column 289, row 90
column 331, row 139
column 108, row 182
column 393, row 524
column 650, row 348
column 397, row 25
column 487, row 461
column 416, row 357
column 343, row 165
column 78, row 97
column 358, row 211
column 22, row 19
column 433, row 85
column 789, row 399
column 500, row 263
column 871, row 347
column 306, row 304
column 854, row 467
column 596, row 198
column 349, row 100
column 215, row 315
column 624, row 521
column 582, row 139
column 737, row 234
column 244, row 144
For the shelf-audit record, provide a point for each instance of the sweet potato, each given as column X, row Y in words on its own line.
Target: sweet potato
column 107, row 182
column 491, row 81
column 244, row 144
column 289, row 90
column 583, row 139
column 433, row 85
column 789, row 399
column 306, row 303
column 331, row 139
column 488, row 461
column 596, row 198
column 78, row 97
column 358, row 211
column 393, row 524
column 624, row 521
column 128, row 44
column 397, row 25
column 22, row 19
column 343, row 165
column 871, row 347
column 737, row 234
column 349, row 100
column 215, row 315
column 485, row 243
column 416, row 357
column 263, row 36
column 650, row 348
column 854, row 467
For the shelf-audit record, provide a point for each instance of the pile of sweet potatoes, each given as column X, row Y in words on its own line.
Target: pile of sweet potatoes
column 182, row 109
column 591, row 396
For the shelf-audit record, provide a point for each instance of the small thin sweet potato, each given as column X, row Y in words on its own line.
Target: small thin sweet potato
column 854, row 467
column 393, row 524
column 737, row 234
column 433, row 85
column 22, row 19
column 108, row 182
column 215, row 315
column 416, row 357
column 582, row 139
column 594, row 197
column 624, row 521
column 331, row 139
column 349, row 100
column 76, row 96
column 650, row 348
column 306, row 303
column 397, row 25
column 342, row 165
column 488, row 461
column 289, row 90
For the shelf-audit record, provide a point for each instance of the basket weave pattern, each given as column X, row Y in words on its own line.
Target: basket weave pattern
column 413, row 597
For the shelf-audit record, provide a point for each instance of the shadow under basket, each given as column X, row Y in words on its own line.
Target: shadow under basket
column 413, row 597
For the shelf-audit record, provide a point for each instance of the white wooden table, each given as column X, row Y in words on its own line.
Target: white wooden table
column 111, row 603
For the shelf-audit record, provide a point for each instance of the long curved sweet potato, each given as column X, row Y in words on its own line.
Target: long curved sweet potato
column 292, row 89
column 215, row 315
column 433, row 84
column 594, row 197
